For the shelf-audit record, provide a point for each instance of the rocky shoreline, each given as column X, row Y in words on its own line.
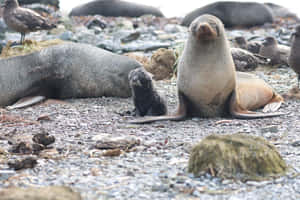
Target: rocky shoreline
column 151, row 161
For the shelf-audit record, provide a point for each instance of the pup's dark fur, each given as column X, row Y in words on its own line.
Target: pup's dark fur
column 145, row 98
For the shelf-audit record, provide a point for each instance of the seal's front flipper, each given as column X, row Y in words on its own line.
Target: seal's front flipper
column 178, row 116
column 26, row 101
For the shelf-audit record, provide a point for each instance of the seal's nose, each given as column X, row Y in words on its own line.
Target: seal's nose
column 204, row 28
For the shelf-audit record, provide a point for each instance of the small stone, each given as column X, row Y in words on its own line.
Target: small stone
column 270, row 129
column 26, row 163
column 43, row 138
column 22, row 148
column 296, row 144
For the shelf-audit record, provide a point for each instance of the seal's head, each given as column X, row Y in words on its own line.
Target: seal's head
column 206, row 28
column 140, row 79
column 269, row 41
column 240, row 40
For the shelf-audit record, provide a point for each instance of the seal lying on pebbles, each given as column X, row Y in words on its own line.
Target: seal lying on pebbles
column 114, row 8
column 294, row 58
column 234, row 14
column 23, row 20
column 207, row 83
column 246, row 61
column 65, row 71
column 242, row 43
column 145, row 98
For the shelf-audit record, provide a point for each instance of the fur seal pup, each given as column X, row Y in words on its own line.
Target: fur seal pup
column 145, row 98
column 247, row 61
column 242, row 43
column 294, row 57
column 208, row 85
column 23, row 20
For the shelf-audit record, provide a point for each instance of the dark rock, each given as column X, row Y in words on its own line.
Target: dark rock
column 54, row 3
column 40, row 193
column 43, row 138
column 37, row 148
column 131, row 37
column 96, row 21
column 296, row 144
column 41, row 8
column 26, row 163
column 114, row 8
column 21, row 148
column 234, row 14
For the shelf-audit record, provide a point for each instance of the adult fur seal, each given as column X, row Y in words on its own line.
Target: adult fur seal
column 245, row 14
column 65, row 71
column 145, row 98
column 208, row 85
column 114, row 8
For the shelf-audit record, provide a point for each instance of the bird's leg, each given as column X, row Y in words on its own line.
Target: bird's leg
column 22, row 38
column 298, row 80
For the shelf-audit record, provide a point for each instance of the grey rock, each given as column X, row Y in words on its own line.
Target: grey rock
column 67, row 36
column 54, row 3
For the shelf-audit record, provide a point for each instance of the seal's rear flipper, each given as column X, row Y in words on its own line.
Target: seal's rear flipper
column 241, row 113
column 272, row 107
column 26, row 101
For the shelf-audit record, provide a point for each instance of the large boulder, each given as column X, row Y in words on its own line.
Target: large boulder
column 43, row 193
column 65, row 71
column 236, row 156
column 114, row 8
column 234, row 14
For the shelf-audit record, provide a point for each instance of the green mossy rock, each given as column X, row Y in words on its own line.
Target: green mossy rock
column 44, row 193
column 236, row 156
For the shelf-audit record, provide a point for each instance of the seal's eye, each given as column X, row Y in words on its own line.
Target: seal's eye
column 215, row 26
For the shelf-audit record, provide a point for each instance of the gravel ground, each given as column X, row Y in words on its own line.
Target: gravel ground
column 157, row 168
